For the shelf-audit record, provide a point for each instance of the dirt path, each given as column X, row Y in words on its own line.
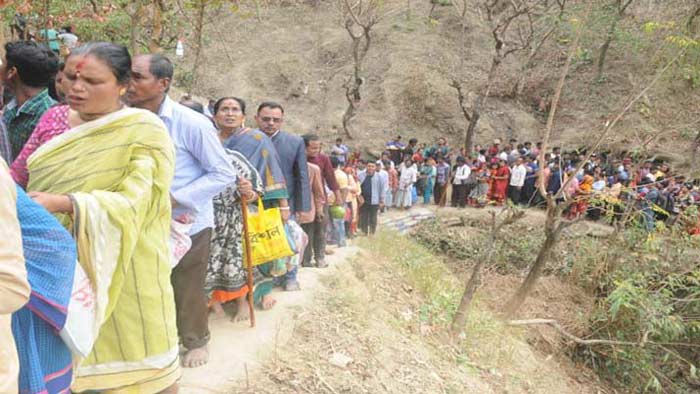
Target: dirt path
column 359, row 327
column 235, row 346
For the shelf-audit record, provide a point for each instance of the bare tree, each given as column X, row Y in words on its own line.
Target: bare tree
column 538, row 44
column 474, row 281
column 620, row 6
column 157, row 7
column 555, row 223
column 501, row 17
column 135, row 10
column 359, row 18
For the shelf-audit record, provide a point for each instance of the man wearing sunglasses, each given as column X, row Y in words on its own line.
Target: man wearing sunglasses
column 292, row 157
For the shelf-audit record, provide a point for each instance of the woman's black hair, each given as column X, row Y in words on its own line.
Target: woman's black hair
column 221, row 101
column 115, row 56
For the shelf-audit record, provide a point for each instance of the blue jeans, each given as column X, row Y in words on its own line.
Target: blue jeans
column 289, row 277
column 339, row 231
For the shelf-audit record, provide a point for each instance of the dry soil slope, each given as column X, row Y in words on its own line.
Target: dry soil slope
column 300, row 55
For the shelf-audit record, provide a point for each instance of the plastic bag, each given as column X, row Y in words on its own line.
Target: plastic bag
column 267, row 235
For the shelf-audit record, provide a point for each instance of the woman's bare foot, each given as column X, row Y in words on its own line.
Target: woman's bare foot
column 242, row 310
column 268, row 302
column 195, row 357
column 218, row 310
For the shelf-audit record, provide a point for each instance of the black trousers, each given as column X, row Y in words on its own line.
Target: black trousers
column 316, row 248
column 515, row 194
column 368, row 218
column 459, row 196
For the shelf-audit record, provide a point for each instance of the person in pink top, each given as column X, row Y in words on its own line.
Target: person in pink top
column 53, row 123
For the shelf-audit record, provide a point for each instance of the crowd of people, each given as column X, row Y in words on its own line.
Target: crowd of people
column 594, row 185
column 123, row 217
column 123, row 211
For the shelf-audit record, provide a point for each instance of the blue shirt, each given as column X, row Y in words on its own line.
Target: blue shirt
column 202, row 168
column 376, row 187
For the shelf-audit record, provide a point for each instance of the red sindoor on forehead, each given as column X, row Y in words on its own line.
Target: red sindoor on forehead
column 80, row 64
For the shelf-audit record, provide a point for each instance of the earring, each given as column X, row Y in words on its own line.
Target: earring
column 122, row 91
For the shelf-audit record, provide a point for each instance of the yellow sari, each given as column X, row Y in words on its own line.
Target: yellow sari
column 118, row 170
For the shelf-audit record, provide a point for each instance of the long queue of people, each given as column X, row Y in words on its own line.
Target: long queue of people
column 123, row 224
column 595, row 185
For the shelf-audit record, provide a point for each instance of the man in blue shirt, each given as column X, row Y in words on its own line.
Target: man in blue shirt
column 202, row 170
column 373, row 190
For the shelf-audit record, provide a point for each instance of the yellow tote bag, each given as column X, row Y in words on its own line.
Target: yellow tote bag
column 268, row 239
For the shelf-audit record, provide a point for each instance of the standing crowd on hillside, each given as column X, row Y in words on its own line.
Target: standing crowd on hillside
column 594, row 185
column 124, row 217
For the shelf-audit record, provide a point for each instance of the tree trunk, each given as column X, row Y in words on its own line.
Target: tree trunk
column 604, row 49
column 460, row 319
column 198, row 38
column 620, row 12
column 347, row 117
column 524, row 72
column 157, row 30
column 476, row 110
column 136, row 16
column 47, row 13
column 553, row 228
column 694, row 154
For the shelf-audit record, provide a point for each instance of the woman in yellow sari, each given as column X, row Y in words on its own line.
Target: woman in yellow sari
column 105, row 172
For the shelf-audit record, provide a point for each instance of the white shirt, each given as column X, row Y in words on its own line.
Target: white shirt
column 462, row 174
column 517, row 175
column 70, row 40
column 202, row 167
column 409, row 175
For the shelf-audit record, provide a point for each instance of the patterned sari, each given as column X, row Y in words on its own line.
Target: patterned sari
column 50, row 255
column 117, row 170
column 226, row 278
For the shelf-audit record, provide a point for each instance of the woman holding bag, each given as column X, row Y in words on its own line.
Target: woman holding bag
column 227, row 276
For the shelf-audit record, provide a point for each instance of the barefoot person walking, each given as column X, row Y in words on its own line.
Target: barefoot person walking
column 202, row 171
column 227, row 276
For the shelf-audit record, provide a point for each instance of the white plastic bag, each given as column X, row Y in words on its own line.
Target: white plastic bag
column 180, row 241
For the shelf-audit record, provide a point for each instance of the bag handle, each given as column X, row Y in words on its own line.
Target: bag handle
column 261, row 208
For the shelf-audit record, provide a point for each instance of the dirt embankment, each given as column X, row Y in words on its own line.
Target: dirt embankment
column 300, row 55
column 371, row 329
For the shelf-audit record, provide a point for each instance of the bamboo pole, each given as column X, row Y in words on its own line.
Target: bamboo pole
column 248, row 259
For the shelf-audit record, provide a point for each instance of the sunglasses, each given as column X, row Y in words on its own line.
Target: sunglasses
column 271, row 119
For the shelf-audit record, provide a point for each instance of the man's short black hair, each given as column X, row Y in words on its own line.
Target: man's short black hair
column 36, row 64
column 193, row 105
column 335, row 162
column 160, row 66
column 271, row 105
column 308, row 138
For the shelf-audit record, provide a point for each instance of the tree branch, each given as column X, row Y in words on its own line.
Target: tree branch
column 589, row 342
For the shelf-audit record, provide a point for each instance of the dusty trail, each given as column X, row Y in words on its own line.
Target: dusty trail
column 357, row 327
column 235, row 346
